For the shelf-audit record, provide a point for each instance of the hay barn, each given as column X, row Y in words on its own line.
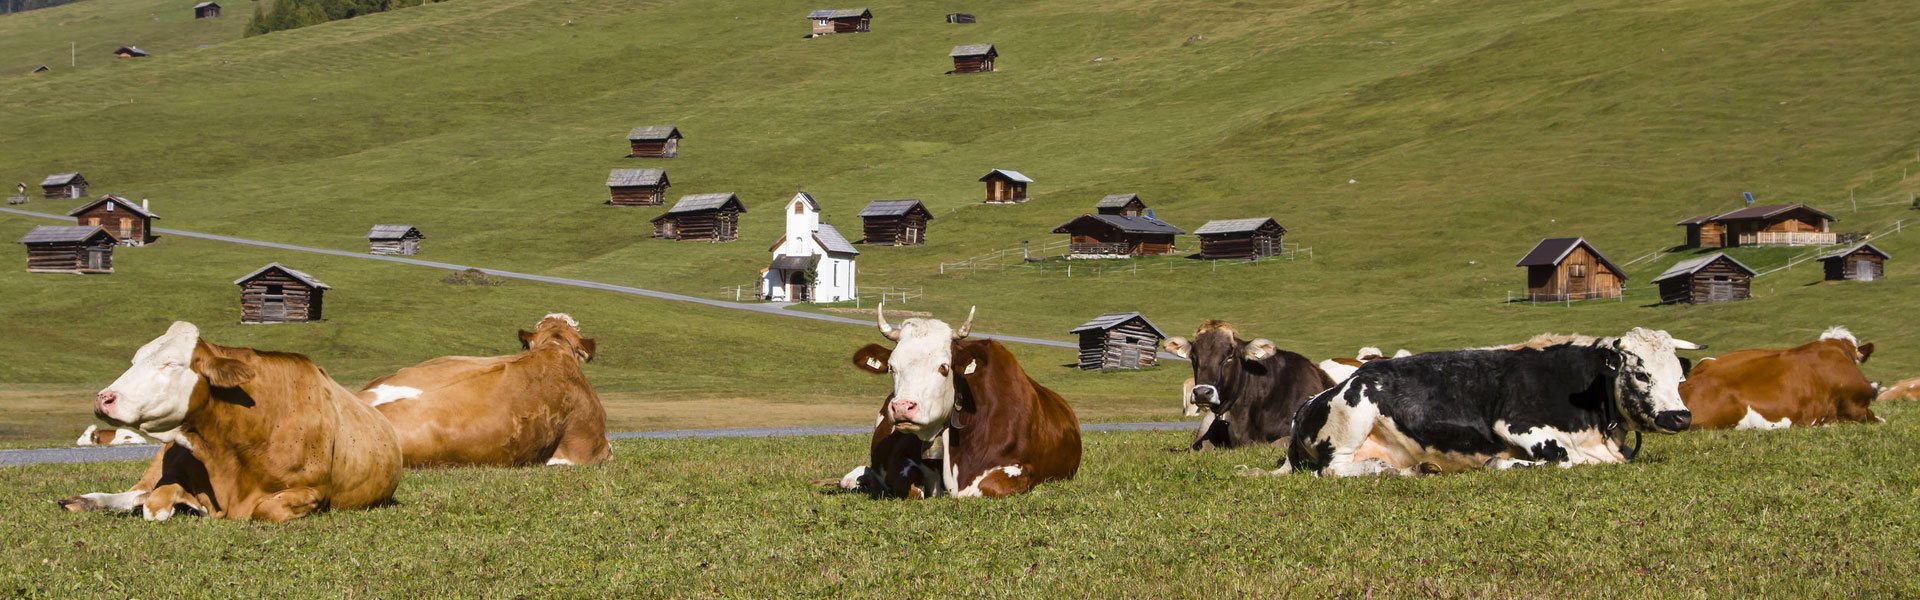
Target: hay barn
column 637, row 187
column 277, row 294
column 130, row 223
column 1860, row 262
column 63, row 185
column 895, row 222
column 841, row 20
column 1716, row 278
column 1006, row 186
column 701, row 218
column 1570, row 269
column 1120, row 340
column 69, row 249
column 654, row 141
column 394, row 240
column 1248, row 239
column 973, row 58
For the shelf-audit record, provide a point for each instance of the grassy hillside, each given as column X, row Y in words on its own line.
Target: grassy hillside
column 82, row 36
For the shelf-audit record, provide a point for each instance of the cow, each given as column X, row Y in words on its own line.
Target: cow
column 1342, row 368
column 1563, row 400
column 248, row 435
column 1907, row 389
column 95, row 436
column 1812, row 384
column 531, row 408
column 1249, row 389
column 964, row 419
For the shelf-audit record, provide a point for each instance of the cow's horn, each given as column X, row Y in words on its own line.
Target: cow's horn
column 967, row 327
column 879, row 314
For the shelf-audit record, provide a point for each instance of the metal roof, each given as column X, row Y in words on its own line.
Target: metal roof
column 973, row 50
column 1843, row 252
column 633, row 177
column 1116, row 201
column 59, row 179
column 1236, row 226
column 793, row 263
column 130, row 50
column 1697, row 220
column 1694, row 265
column 1770, row 210
column 54, row 234
column 1115, row 319
column 1126, row 224
column 831, row 239
column 890, row 208
column 654, row 132
column 204, row 5
column 700, row 202
column 839, row 13
column 1014, row 175
column 392, row 232
column 303, row 277
column 135, row 208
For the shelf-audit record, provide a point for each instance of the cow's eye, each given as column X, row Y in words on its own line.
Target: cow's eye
column 943, row 370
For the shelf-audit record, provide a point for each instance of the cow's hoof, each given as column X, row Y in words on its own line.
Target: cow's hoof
column 1427, row 468
column 77, row 504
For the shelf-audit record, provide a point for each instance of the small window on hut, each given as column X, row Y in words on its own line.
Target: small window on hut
column 109, row 207
column 1577, row 270
column 276, row 290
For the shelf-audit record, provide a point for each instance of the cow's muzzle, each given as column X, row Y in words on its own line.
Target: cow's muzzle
column 1206, row 396
column 1673, row 421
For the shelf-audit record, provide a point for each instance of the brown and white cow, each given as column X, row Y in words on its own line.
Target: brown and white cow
column 248, row 434
column 1815, row 383
column 1907, row 389
column 1342, row 368
column 95, row 436
column 963, row 419
column 532, row 408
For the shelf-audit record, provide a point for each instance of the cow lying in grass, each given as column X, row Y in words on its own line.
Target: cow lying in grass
column 1249, row 389
column 95, row 436
column 1812, row 384
column 1342, row 368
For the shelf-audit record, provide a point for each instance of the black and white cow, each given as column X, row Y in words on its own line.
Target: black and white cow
column 1564, row 400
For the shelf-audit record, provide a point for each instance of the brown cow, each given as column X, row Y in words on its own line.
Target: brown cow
column 531, row 408
column 249, row 434
column 95, row 436
column 963, row 419
column 1907, row 389
column 1811, row 384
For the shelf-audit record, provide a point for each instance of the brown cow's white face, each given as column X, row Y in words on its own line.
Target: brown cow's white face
column 154, row 394
column 921, row 363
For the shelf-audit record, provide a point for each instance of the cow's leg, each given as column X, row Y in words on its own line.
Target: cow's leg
column 584, row 440
column 164, row 501
column 1346, row 430
column 1212, row 432
column 1501, row 463
column 287, row 504
column 1539, row 445
column 127, row 501
column 997, row 482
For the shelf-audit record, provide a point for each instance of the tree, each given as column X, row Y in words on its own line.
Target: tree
column 257, row 25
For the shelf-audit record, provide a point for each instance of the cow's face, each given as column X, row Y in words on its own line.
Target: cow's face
column 921, row 363
column 1647, row 376
column 156, row 393
column 1219, row 358
column 562, row 330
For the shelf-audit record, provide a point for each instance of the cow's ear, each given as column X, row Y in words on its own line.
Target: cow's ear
column 1866, row 351
column 872, row 358
column 587, row 349
column 526, row 337
column 220, row 371
column 1261, row 349
column 1179, row 346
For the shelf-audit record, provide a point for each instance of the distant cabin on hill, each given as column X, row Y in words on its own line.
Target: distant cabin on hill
column 63, row 185
column 206, row 10
column 701, row 218
column 1570, row 269
column 1770, row 225
column 1117, row 236
column 1247, row 239
column 960, row 18
column 637, row 187
column 129, row 52
column 1119, row 340
column 277, row 294
column 654, row 141
column 1126, row 205
column 1006, row 186
column 1860, row 262
column 42, row 69
column 130, row 223
column 394, row 240
column 69, row 249
column 1716, row 278
column 840, row 20
column 973, row 58
column 895, row 222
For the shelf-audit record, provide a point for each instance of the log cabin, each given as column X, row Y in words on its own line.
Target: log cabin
column 394, row 240
column 1119, row 340
column 277, row 294
column 840, row 20
column 701, row 218
column 1715, row 278
column 1115, row 236
column 961, row 18
column 1860, row 262
column 654, row 141
column 895, row 222
column 206, row 10
column 1249, row 239
column 129, row 52
column 1770, row 225
column 42, row 69
column 637, row 187
column 63, row 185
column 130, row 223
column 1570, row 269
column 1005, row 186
column 1126, row 205
column 973, row 58
column 69, row 249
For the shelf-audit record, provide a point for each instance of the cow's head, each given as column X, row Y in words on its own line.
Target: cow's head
column 1647, row 375
column 1860, row 352
column 1219, row 358
column 158, row 391
column 921, row 363
column 561, row 330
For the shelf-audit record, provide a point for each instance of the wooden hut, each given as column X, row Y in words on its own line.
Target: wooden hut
column 701, row 217
column 206, row 10
column 69, row 249
column 973, row 58
column 1716, row 278
column 277, row 294
column 42, row 69
column 1860, row 262
column 1770, row 225
column 840, row 20
column 1005, row 187
column 1115, row 236
column 1126, row 205
column 394, row 240
column 962, row 18
column 63, row 185
column 1120, row 340
column 895, row 222
column 1248, row 239
column 637, row 187
column 131, row 223
column 129, row 52
column 654, row 141
column 1570, row 269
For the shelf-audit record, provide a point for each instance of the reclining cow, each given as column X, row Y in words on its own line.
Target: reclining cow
column 1248, row 389
column 248, row 435
column 1906, row 389
column 95, row 436
column 1341, row 368
column 532, row 408
column 1563, row 400
column 1812, row 384
column 963, row 419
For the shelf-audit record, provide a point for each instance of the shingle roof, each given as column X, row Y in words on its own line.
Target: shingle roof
column 303, row 277
column 391, row 232
column 1693, row 265
column 1114, row 319
column 1843, row 252
column 839, row 13
column 1770, row 210
column 831, row 239
column 972, row 50
column 1116, row 200
column 1125, row 223
column 204, row 5
column 133, row 50
column 1697, row 220
column 53, row 234
column 1235, row 226
column 890, row 208
column 1014, row 175
column 793, row 263
column 116, row 200
column 654, row 132
column 633, row 177
column 700, row 202
column 58, row 179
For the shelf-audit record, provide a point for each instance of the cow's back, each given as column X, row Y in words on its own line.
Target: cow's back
column 491, row 411
column 1807, row 385
column 1267, row 416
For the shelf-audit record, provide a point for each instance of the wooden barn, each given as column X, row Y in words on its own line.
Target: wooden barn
column 69, row 249
column 1716, row 278
column 42, row 69
column 895, row 222
column 841, row 20
column 63, row 185
column 637, row 187
column 1570, row 269
column 1770, row 225
column 973, row 58
column 1121, row 340
column 654, row 141
column 276, row 294
column 129, row 52
column 1115, row 236
column 1005, row 187
column 1248, row 239
column 394, row 240
column 1860, row 262
column 1126, row 205
column 206, row 10
column 701, row 218
column 961, row 18
column 132, row 224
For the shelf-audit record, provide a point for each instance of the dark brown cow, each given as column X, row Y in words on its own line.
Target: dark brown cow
column 1811, row 384
column 963, row 419
column 1250, row 389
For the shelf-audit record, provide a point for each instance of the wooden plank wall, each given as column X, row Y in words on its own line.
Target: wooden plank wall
column 637, row 195
column 1110, row 349
column 708, row 226
column 67, row 257
column 303, row 302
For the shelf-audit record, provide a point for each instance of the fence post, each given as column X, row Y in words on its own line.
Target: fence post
column 1069, row 270
column 943, row 268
